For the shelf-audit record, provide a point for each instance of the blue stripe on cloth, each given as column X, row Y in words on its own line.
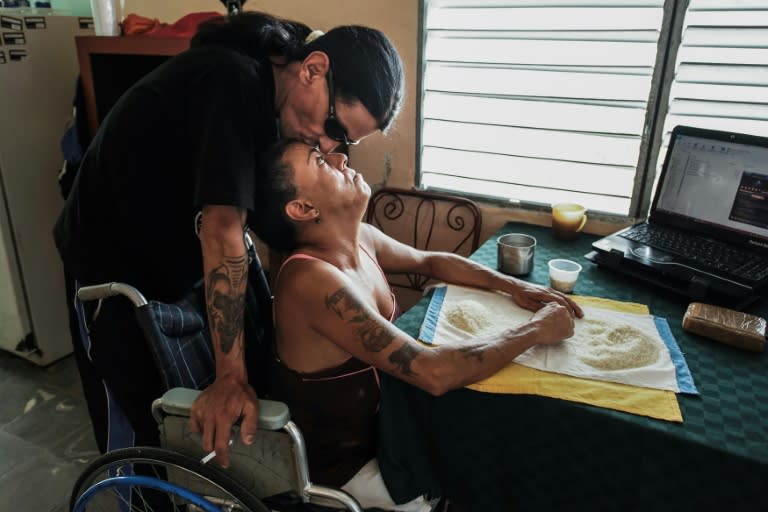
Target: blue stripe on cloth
column 427, row 333
column 683, row 374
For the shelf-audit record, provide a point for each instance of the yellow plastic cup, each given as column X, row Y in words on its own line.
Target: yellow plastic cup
column 568, row 219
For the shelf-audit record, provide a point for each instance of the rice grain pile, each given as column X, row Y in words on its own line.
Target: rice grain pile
column 614, row 346
column 469, row 316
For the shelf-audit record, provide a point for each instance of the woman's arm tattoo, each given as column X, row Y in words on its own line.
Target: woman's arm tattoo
column 403, row 357
column 374, row 336
column 475, row 352
column 225, row 297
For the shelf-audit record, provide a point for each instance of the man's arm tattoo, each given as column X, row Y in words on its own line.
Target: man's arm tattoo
column 225, row 297
column 374, row 336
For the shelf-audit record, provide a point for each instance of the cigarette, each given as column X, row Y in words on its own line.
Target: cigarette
column 210, row 456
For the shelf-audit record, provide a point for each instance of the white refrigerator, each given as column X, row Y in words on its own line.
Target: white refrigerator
column 38, row 69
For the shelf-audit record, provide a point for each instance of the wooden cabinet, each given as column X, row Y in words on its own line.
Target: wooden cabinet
column 110, row 65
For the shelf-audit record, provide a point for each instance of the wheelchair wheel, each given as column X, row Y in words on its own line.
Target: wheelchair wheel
column 173, row 482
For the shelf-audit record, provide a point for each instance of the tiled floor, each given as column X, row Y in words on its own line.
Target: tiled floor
column 45, row 434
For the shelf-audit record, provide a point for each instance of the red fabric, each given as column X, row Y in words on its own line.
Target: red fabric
column 133, row 25
column 186, row 26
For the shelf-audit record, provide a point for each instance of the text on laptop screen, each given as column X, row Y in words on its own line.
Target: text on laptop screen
column 717, row 182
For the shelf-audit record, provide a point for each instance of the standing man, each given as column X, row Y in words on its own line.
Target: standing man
column 186, row 139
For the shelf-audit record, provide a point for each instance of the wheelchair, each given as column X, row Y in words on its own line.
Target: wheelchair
column 269, row 475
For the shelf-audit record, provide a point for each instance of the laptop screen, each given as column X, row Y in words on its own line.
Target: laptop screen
column 718, row 183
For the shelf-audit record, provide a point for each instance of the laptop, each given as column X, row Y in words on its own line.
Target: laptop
column 706, row 236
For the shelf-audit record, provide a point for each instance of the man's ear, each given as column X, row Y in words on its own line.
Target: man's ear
column 301, row 210
column 315, row 66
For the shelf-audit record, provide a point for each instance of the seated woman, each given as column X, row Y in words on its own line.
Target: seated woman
column 333, row 313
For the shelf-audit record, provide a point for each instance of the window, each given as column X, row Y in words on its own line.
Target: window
column 721, row 70
column 547, row 101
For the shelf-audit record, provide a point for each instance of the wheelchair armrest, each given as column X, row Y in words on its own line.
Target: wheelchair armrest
column 106, row 290
column 178, row 401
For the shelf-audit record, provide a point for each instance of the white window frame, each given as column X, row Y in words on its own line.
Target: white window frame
column 652, row 142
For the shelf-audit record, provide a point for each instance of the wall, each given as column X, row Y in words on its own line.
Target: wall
column 390, row 158
column 73, row 7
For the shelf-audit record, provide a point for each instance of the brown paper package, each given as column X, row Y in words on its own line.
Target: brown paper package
column 726, row 325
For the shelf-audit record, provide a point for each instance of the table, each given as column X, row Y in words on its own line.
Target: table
column 522, row 452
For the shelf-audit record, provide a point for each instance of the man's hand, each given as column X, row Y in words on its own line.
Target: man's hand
column 532, row 297
column 554, row 322
column 219, row 407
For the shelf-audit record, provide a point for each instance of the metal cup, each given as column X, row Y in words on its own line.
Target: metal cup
column 515, row 253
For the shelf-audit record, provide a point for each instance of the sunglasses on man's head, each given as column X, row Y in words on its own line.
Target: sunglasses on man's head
column 333, row 128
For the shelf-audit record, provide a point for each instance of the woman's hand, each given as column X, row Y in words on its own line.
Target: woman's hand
column 554, row 323
column 533, row 297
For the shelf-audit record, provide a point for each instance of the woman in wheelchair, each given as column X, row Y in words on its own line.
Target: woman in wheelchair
column 333, row 313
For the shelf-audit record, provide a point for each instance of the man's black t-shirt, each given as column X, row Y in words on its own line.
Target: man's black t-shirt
column 186, row 135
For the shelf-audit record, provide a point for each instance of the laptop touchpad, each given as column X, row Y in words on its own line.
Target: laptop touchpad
column 647, row 253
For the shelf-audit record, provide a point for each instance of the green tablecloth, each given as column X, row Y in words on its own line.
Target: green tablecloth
column 522, row 452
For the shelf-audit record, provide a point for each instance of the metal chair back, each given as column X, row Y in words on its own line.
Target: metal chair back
column 428, row 221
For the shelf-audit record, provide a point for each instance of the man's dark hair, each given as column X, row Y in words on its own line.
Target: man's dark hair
column 365, row 64
column 275, row 182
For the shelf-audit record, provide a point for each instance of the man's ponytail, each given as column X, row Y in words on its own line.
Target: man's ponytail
column 256, row 34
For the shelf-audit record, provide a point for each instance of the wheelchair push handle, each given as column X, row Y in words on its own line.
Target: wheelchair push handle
column 103, row 291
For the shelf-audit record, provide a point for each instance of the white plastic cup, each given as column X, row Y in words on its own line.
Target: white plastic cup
column 563, row 274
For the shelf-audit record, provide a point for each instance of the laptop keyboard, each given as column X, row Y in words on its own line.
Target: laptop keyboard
column 709, row 254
